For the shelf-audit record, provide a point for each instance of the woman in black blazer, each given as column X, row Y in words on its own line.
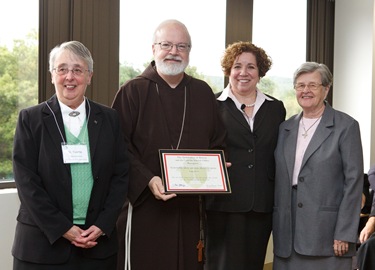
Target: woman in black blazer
column 71, row 171
column 239, row 224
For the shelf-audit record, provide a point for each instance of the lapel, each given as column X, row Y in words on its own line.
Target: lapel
column 94, row 123
column 322, row 132
column 290, row 143
column 230, row 107
column 238, row 116
column 53, row 121
column 261, row 113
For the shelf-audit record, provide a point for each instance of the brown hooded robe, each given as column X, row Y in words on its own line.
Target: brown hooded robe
column 164, row 233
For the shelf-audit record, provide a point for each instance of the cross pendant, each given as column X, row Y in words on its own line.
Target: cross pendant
column 304, row 135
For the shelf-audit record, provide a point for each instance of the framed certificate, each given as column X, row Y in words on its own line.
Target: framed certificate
column 194, row 171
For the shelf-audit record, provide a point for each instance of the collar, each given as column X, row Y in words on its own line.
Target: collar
column 227, row 93
column 65, row 110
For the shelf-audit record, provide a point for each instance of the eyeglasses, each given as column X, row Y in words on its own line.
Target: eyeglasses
column 167, row 46
column 76, row 71
column 311, row 86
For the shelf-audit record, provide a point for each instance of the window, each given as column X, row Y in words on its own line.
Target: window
column 205, row 21
column 18, row 72
column 279, row 27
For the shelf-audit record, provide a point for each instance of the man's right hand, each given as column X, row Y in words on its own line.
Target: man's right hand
column 157, row 188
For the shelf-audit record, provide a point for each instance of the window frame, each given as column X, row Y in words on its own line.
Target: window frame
column 89, row 21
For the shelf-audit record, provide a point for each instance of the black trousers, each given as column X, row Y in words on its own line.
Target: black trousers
column 237, row 241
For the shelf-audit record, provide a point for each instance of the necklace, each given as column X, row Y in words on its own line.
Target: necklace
column 249, row 105
column 183, row 118
column 306, row 130
column 243, row 106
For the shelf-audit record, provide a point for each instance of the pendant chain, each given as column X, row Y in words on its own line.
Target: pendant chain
column 306, row 130
column 183, row 118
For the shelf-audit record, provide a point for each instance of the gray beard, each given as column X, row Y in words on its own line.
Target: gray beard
column 171, row 69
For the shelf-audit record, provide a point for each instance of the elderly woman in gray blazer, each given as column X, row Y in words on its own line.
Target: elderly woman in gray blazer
column 319, row 180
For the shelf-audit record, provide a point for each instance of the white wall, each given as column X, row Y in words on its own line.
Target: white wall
column 8, row 211
column 354, row 68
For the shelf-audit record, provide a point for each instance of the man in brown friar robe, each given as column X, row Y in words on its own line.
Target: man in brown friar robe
column 164, row 108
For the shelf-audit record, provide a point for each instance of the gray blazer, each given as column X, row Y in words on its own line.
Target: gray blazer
column 329, row 187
